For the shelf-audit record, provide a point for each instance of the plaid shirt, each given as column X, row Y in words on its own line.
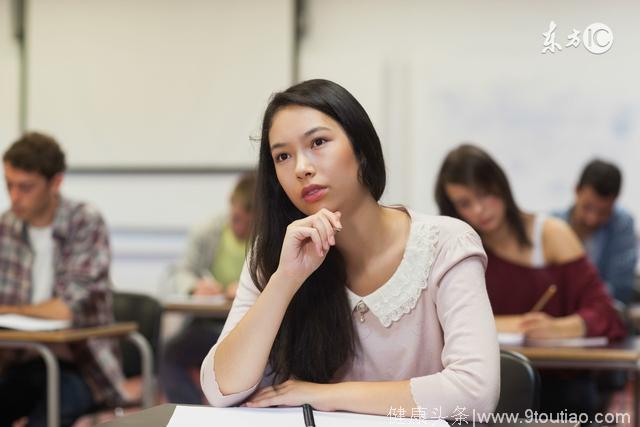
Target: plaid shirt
column 81, row 259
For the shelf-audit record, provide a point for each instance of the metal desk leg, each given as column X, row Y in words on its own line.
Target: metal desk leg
column 147, row 367
column 53, row 378
column 636, row 397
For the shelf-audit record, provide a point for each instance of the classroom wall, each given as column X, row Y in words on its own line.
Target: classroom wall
column 9, row 69
column 149, row 217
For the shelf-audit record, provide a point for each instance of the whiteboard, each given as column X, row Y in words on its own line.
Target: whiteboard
column 151, row 83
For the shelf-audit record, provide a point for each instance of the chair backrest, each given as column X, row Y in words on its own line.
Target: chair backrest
column 146, row 311
column 519, row 384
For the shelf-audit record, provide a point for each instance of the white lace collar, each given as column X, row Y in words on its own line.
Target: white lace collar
column 401, row 292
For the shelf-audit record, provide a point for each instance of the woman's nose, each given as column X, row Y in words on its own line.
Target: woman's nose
column 304, row 167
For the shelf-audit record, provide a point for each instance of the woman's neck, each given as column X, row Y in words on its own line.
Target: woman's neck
column 368, row 231
column 502, row 236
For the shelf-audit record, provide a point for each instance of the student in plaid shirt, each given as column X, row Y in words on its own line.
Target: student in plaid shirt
column 54, row 263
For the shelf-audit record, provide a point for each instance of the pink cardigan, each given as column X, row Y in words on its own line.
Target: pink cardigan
column 430, row 323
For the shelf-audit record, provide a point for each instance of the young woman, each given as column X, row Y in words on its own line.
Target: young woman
column 528, row 253
column 347, row 304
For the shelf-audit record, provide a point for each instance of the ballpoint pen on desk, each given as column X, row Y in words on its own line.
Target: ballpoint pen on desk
column 544, row 299
column 307, row 411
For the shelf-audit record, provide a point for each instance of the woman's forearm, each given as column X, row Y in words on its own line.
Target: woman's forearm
column 508, row 323
column 376, row 398
column 242, row 356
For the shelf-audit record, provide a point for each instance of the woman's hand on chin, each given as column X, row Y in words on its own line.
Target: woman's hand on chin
column 306, row 244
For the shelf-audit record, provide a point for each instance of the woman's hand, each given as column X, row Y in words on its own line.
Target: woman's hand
column 207, row 287
column 293, row 393
column 306, row 244
column 540, row 325
column 508, row 323
column 232, row 289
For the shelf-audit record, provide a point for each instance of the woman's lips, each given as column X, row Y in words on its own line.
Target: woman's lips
column 315, row 194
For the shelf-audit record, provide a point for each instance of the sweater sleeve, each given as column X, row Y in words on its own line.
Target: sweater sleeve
column 618, row 268
column 198, row 256
column 245, row 298
column 470, row 356
column 592, row 302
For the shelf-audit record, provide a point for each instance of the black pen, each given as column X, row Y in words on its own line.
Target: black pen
column 307, row 411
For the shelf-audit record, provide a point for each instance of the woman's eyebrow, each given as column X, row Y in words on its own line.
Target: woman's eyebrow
column 314, row 130
column 278, row 145
column 304, row 135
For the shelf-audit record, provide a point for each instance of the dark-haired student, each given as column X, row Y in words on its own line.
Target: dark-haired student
column 54, row 264
column 347, row 304
column 605, row 229
column 527, row 254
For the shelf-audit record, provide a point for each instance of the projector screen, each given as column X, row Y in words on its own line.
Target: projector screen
column 156, row 84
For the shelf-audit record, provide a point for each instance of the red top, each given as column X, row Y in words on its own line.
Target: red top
column 514, row 289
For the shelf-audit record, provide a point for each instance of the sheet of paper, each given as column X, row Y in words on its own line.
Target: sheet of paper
column 27, row 323
column 518, row 339
column 202, row 416
column 569, row 342
column 198, row 416
column 511, row 338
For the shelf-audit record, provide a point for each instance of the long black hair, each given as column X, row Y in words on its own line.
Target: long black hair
column 316, row 338
column 471, row 166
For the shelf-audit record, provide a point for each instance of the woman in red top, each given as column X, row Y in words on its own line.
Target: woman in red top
column 527, row 254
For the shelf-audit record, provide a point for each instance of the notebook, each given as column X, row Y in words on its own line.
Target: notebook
column 517, row 339
column 28, row 323
column 202, row 416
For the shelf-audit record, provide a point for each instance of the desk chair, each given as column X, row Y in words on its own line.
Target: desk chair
column 146, row 312
column 519, row 384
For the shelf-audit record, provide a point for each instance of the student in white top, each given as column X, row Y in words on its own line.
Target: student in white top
column 41, row 239
column 54, row 264
column 346, row 304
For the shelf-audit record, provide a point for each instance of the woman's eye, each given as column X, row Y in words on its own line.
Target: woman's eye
column 462, row 204
column 282, row 157
column 319, row 141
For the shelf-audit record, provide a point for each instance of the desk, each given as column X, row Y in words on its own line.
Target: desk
column 618, row 356
column 38, row 341
column 160, row 416
column 199, row 307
